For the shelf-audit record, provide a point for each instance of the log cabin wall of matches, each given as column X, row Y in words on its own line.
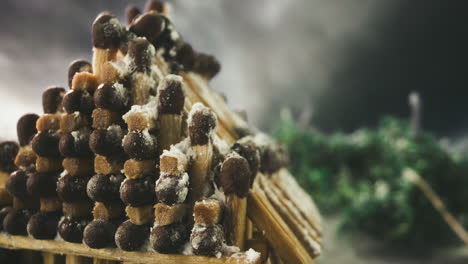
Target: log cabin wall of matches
column 140, row 162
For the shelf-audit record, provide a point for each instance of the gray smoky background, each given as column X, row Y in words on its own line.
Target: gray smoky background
column 342, row 63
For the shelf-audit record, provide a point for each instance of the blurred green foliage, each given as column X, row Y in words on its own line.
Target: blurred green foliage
column 359, row 175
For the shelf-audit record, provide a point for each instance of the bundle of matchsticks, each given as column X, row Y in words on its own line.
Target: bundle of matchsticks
column 140, row 155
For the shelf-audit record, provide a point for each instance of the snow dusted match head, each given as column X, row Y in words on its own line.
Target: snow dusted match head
column 141, row 51
column 171, row 95
column 107, row 32
column 235, row 175
column 202, row 124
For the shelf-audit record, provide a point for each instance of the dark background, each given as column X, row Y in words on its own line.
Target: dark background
column 350, row 62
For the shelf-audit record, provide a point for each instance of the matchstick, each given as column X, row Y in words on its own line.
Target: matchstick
column 171, row 103
column 235, row 179
column 107, row 34
column 132, row 12
column 8, row 152
column 201, row 128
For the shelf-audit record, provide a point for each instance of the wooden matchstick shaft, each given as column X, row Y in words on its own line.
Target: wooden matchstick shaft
column 171, row 130
column 238, row 208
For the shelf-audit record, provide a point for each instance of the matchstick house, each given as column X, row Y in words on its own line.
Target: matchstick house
column 140, row 162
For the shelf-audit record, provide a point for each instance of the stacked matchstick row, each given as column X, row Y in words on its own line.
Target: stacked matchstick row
column 24, row 205
column 8, row 152
column 73, row 145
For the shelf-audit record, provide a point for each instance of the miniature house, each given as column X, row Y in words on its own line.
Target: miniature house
column 141, row 162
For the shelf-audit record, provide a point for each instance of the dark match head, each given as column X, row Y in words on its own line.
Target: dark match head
column 26, row 128
column 138, row 192
column 235, row 176
column 72, row 189
column 46, row 144
column 141, row 51
column 43, row 225
column 149, row 25
column 171, row 95
column 169, row 239
column 132, row 12
column 78, row 101
column 16, row 184
column 107, row 32
column 186, row 56
column 207, row 241
column 207, row 65
column 106, row 142
column 42, row 185
column 201, row 124
column 8, row 151
column 248, row 150
column 99, row 234
column 3, row 213
column 78, row 66
column 140, row 145
column 75, row 144
column 71, row 230
column 52, row 99
column 172, row 189
column 113, row 97
column 104, row 188
column 154, row 5
column 16, row 220
column 131, row 237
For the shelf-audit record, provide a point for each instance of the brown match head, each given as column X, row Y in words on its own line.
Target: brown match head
column 207, row 65
column 207, row 240
column 248, row 150
column 78, row 66
column 42, row 185
column 140, row 145
column 52, row 99
column 154, row 5
column 43, row 225
column 171, row 95
column 235, row 176
column 78, row 101
column 26, row 128
column 132, row 12
column 107, row 32
column 167, row 239
column 113, row 97
column 138, row 192
column 201, row 124
column 131, row 237
column 8, row 151
column 105, row 188
column 149, row 25
column 99, row 234
column 141, row 51
column 16, row 221
column 46, row 144
column 72, row 189
column 71, row 230
column 186, row 56
column 16, row 184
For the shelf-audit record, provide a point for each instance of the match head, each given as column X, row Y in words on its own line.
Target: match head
column 111, row 96
column 140, row 145
column 154, row 5
column 46, row 144
column 78, row 66
column 16, row 221
column 149, row 25
column 141, row 51
column 72, row 188
column 99, row 234
column 168, row 239
column 42, row 185
column 171, row 95
column 138, row 192
column 207, row 65
column 207, row 240
column 132, row 12
column 26, row 128
column 8, row 151
column 186, row 56
column 105, row 188
column 78, row 101
column 71, row 230
column 43, row 225
column 107, row 32
column 131, row 237
column 235, row 175
column 16, row 184
column 201, row 124
column 247, row 149
column 52, row 99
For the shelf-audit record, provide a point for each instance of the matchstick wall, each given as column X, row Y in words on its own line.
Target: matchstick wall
column 140, row 162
